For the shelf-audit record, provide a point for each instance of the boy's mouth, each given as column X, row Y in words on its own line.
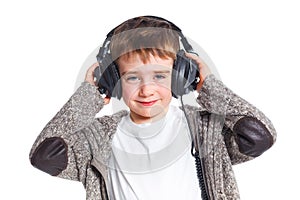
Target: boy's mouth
column 147, row 103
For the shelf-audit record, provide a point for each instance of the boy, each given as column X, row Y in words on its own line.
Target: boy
column 144, row 153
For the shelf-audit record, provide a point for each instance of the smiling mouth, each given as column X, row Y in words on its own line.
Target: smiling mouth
column 147, row 103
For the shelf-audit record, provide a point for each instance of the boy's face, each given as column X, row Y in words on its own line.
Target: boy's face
column 146, row 87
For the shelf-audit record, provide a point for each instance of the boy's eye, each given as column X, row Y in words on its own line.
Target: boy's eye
column 159, row 76
column 132, row 79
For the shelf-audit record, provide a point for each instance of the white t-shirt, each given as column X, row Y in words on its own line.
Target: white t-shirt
column 153, row 161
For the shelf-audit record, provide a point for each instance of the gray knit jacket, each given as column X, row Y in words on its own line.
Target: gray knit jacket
column 227, row 130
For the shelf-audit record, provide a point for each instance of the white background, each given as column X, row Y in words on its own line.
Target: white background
column 255, row 46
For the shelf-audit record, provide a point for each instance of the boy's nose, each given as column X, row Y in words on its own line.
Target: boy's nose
column 147, row 89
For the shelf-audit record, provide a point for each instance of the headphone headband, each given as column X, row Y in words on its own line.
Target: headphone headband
column 174, row 27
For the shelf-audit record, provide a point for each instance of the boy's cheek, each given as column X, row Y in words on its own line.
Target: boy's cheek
column 164, row 86
column 127, row 94
column 125, row 97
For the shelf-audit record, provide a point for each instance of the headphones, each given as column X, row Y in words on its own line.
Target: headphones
column 185, row 74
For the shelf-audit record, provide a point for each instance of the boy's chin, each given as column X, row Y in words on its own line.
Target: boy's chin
column 148, row 115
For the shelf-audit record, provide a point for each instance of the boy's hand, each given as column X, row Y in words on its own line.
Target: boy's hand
column 203, row 68
column 89, row 77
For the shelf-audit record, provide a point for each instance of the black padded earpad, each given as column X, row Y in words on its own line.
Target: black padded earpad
column 184, row 75
column 108, row 78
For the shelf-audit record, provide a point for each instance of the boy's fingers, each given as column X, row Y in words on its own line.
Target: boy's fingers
column 92, row 68
column 89, row 77
column 195, row 58
column 106, row 100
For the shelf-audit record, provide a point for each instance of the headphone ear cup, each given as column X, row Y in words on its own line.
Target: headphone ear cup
column 185, row 75
column 108, row 78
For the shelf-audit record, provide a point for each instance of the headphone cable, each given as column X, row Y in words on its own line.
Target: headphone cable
column 196, row 155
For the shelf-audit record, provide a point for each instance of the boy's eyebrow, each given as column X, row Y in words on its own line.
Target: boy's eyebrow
column 162, row 71
column 155, row 71
column 129, row 72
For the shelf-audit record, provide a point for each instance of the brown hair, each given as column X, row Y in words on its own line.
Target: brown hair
column 144, row 36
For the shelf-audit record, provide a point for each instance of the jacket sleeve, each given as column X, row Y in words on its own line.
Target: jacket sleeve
column 247, row 131
column 55, row 150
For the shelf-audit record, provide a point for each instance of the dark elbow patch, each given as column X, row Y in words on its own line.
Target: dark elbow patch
column 253, row 138
column 51, row 156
